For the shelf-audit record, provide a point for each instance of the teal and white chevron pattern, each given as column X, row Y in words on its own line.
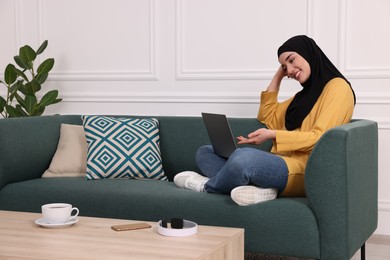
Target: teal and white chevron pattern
column 123, row 148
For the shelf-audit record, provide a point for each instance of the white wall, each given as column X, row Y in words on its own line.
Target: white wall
column 182, row 57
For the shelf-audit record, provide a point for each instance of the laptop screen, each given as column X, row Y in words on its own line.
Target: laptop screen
column 220, row 134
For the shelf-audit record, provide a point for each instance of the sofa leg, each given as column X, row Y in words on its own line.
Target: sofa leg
column 363, row 252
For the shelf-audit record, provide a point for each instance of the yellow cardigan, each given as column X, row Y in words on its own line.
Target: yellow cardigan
column 334, row 107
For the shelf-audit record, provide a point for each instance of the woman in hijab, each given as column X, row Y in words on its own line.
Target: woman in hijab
column 295, row 125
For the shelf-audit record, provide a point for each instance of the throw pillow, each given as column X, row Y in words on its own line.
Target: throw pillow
column 70, row 158
column 123, row 148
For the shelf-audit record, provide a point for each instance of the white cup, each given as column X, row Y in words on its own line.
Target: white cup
column 58, row 213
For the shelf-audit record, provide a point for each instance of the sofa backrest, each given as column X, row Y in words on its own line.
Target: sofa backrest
column 27, row 145
column 182, row 136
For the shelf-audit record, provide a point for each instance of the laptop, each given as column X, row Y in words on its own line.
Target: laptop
column 220, row 134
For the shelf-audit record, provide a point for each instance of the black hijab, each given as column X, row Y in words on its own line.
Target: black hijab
column 322, row 71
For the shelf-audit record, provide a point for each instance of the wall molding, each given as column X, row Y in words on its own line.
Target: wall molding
column 224, row 74
column 108, row 75
column 17, row 25
column 161, row 97
column 367, row 99
column 384, row 205
column 231, row 98
column 350, row 71
column 16, row 18
column 377, row 98
column 103, row 76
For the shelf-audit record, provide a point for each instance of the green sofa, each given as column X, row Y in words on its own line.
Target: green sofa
column 335, row 219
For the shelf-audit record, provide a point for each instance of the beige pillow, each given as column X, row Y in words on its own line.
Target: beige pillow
column 70, row 159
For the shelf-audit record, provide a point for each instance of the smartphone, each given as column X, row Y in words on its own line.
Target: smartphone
column 134, row 226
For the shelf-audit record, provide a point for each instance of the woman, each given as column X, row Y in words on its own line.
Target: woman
column 294, row 125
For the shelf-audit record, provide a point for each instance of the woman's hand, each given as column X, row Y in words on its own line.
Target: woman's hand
column 280, row 73
column 276, row 80
column 257, row 137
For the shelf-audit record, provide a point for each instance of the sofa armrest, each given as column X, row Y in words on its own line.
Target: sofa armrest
column 341, row 182
column 27, row 145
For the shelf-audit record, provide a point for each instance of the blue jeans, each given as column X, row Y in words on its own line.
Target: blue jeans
column 246, row 166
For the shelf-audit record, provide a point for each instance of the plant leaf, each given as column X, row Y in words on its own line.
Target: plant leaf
column 21, row 74
column 30, row 104
column 41, row 78
column 26, row 53
column 46, row 66
column 57, row 101
column 20, row 62
column 42, row 47
column 49, row 98
column 21, row 111
column 32, row 87
column 15, row 88
column 10, row 74
column 20, row 100
column 3, row 103
column 12, row 112
column 20, row 87
column 38, row 111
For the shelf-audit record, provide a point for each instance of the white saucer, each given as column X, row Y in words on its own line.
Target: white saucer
column 41, row 222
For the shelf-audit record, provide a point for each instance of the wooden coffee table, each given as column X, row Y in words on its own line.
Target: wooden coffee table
column 93, row 238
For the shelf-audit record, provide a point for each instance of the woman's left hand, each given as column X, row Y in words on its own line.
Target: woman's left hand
column 257, row 137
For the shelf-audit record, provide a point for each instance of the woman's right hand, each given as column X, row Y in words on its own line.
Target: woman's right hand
column 277, row 79
column 280, row 73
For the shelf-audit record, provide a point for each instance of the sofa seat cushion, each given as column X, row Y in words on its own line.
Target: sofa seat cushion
column 270, row 227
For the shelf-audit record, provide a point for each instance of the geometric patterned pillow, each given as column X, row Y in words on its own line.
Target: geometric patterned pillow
column 123, row 148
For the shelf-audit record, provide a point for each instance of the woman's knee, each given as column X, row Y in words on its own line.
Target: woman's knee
column 241, row 155
column 240, row 159
column 203, row 152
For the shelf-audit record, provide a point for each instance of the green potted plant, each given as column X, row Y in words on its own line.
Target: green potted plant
column 23, row 83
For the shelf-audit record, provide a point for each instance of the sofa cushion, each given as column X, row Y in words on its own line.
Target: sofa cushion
column 70, row 159
column 123, row 148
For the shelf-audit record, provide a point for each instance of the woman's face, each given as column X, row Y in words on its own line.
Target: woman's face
column 295, row 66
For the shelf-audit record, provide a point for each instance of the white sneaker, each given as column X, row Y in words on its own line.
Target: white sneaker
column 248, row 195
column 190, row 180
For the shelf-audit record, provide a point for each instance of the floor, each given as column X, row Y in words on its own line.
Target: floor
column 377, row 248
